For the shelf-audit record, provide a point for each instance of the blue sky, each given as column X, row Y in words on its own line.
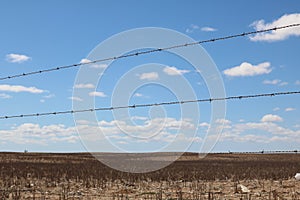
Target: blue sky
column 43, row 34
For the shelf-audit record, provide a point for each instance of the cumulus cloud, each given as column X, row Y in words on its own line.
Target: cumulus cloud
column 283, row 83
column 20, row 88
column 269, row 127
column 49, row 96
column 149, row 76
column 84, row 86
column 97, row 94
column 223, row 121
column 204, row 124
column 194, row 27
column 138, row 95
column 289, row 109
column 162, row 128
column 75, row 98
column 149, row 131
column 266, row 131
column 208, row 29
column 94, row 65
column 17, row 58
column 275, row 82
column 99, row 66
column 278, row 35
column 29, row 133
column 271, row 118
column 5, row 96
column 271, row 82
column 139, row 118
column 247, row 69
column 173, row 71
column 84, row 60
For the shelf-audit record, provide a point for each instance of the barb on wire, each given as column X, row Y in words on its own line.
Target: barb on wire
column 147, row 52
column 151, row 104
column 261, row 152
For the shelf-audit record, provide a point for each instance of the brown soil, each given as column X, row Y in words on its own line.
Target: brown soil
column 81, row 176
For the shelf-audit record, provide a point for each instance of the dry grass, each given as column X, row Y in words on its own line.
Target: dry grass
column 80, row 176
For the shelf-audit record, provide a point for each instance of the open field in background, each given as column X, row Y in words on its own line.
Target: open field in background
column 81, row 176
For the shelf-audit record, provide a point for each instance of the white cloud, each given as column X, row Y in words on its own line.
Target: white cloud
column 188, row 30
column 84, row 122
column 204, row 124
column 269, row 127
column 99, row 66
column 223, row 121
column 279, row 34
column 289, row 109
column 272, row 82
column 84, row 86
column 17, row 58
column 29, row 133
column 173, row 71
column 174, row 124
column 275, row 82
column 75, row 99
column 94, row 65
column 247, row 69
column 149, row 76
column 49, row 96
column 265, row 131
column 20, row 88
column 297, row 82
column 162, row 128
column 283, row 83
column 138, row 95
column 139, row 118
column 5, row 96
column 238, row 133
column 194, row 27
column 271, row 118
column 276, row 109
column 97, row 94
column 84, row 60
column 208, row 29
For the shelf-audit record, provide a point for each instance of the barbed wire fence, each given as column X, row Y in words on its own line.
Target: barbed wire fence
column 152, row 104
column 239, row 97
column 261, row 152
column 146, row 52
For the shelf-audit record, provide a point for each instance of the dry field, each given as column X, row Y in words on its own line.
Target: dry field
column 217, row 176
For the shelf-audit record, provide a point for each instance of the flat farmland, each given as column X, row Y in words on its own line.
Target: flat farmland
column 217, row 176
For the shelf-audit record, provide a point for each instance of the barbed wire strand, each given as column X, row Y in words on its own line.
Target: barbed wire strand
column 151, row 104
column 260, row 152
column 148, row 52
